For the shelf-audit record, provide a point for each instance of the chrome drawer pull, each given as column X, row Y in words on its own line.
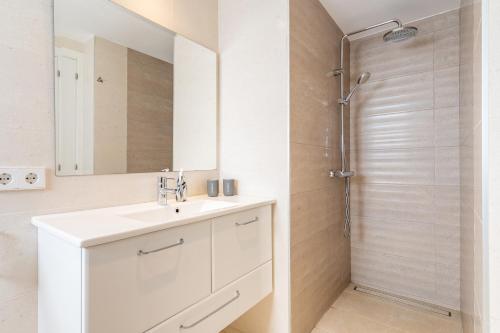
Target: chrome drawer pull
column 179, row 243
column 213, row 312
column 239, row 224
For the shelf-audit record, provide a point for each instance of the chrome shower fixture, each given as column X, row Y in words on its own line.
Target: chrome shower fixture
column 400, row 34
column 363, row 78
column 334, row 72
column 397, row 34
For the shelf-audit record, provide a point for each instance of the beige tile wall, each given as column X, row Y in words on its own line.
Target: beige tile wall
column 470, row 165
column 110, row 107
column 150, row 84
column 405, row 198
column 27, row 138
column 319, row 253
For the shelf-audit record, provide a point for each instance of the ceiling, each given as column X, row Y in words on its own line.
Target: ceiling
column 80, row 20
column 352, row 15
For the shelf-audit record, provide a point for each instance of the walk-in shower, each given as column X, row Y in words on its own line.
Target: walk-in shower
column 398, row 34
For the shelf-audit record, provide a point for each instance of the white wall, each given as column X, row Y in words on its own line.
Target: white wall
column 195, row 19
column 492, row 136
column 27, row 138
column 254, row 130
column 195, row 106
column 81, row 20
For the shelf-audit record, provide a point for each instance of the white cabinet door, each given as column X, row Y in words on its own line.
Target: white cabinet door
column 134, row 284
column 218, row 311
column 59, row 285
column 241, row 243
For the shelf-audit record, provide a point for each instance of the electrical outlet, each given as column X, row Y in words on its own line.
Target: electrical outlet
column 31, row 178
column 12, row 179
column 5, row 179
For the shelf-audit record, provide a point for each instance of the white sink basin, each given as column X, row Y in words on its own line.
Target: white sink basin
column 104, row 225
column 179, row 210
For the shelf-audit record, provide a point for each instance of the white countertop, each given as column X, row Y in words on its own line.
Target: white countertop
column 98, row 226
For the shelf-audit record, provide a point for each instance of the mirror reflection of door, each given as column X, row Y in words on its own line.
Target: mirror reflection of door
column 72, row 157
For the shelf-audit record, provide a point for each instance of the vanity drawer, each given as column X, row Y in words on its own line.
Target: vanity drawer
column 241, row 243
column 219, row 310
column 137, row 283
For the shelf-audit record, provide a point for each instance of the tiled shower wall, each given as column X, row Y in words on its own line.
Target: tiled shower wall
column 319, row 253
column 471, row 165
column 148, row 79
column 404, row 150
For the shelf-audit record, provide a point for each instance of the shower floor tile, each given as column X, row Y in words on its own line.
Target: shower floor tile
column 230, row 330
column 356, row 312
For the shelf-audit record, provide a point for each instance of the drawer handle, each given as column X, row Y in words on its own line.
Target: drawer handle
column 213, row 312
column 239, row 224
column 179, row 243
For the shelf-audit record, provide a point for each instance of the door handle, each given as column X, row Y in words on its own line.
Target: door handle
column 239, row 224
column 213, row 312
column 143, row 253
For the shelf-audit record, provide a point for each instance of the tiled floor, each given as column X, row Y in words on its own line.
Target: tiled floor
column 230, row 330
column 356, row 312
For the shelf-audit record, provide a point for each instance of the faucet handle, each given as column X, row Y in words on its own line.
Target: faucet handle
column 181, row 188
column 181, row 192
column 163, row 180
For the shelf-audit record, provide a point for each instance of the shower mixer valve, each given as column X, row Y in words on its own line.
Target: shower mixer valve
column 341, row 174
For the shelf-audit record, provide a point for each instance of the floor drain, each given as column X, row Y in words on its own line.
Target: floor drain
column 404, row 300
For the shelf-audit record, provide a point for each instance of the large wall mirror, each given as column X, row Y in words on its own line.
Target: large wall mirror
column 130, row 96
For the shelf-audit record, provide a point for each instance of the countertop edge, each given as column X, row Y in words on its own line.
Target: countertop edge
column 38, row 222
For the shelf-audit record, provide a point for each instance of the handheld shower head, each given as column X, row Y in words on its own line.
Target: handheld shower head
column 362, row 79
column 365, row 76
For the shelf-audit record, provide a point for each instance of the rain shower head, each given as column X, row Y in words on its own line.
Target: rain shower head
column 363, row 78
column 400, row 34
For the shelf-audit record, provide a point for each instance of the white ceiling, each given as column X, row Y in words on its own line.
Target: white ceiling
column 352, row 15
column 82, row 19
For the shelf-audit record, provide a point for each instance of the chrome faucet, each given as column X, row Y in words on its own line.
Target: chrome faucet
column 180, row 189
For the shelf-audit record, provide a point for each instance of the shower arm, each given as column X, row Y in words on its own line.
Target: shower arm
column 340, row 72
column 396, row 21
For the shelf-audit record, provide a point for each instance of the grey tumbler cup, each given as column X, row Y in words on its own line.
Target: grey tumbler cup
column 213, row 187
column 228, row 187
